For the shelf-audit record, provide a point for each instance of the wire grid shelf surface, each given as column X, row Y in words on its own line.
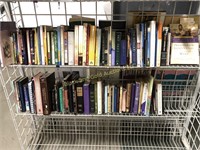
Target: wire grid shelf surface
column 108, row 134
column 109, row 131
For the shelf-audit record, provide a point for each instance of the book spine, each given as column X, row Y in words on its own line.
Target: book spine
column 96, row 98
column 115, row 98
column 132, row 98
column 159, row 44
column 71, row 47
column 15, row 48
column 31, row 97
column 128, row 99
column 142, row 44
column 112, row 97
column 21, row 98
column 28, row 47
column 103, row 40
column 137, row 94
column 150, row 87
column 57, row 98
column 62, row 110
column 49, row 48
column 65, row 48
column 120, row 99
column 80, row 45
column 118, row 36
column 62, row 49
column 65, row 98
column 109, row 45
column 45, row 45
column 80, row 100
column 26, row 97
column 98, row 48
column 36, row 48
column 53, row 100
column 32, row 48
column 52, row 49
column 147, row 58
column 24, row 49
column 159, row 99
column 144, row 99
column 138, row 41
column 87, row 45
column 99, row 98
column 106, row 99
column 124, row 97
column 42, row 59
column 84, row 47
column 168, row 49
column 74, row 98
column 70, row 95
column 109, row 99
column 92, row 98
column 92, row 45
column 56, row 47
column 133, row 46
column 76, row 44
column 123, row 53
column 59, row 45
column 45, row 97
column 87, row 101
column 152, row 43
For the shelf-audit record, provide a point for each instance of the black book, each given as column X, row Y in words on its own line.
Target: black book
column 79, row 96
column 92, row 98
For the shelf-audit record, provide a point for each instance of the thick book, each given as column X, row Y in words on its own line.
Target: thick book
column 80, row 98
column 47, row 82
column 6, row 49
column 86, row 98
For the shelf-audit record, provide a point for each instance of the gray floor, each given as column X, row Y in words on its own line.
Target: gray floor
column 8, row 137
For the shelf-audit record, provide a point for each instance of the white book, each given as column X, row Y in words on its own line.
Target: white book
column 159, row 44
column 168, row 48
column 99, row 95
column 30, row 92
column 71, row 48
column 84, row 47
column 138, row 41
column 159, row 99
column 106, row 99
column 144, row 99
column 28, row 47
column 109, row 98
column 152, row 43
column 120, row 99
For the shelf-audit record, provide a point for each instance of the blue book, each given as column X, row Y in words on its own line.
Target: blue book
column 115, row 98
column 112, row 57
column 86, row 98
column 137, row 95
column 132, row 33
column 132, row 97
column 123, row 53
column 142, row 42
column 39, row 47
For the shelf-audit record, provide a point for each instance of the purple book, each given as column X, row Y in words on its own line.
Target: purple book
column 137, row 94
column 132, row 97
column 112, row 57
column 86, row 99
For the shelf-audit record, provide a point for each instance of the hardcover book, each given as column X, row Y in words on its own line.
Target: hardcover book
column 184, row 48
column 86, row 98
column 6, row 49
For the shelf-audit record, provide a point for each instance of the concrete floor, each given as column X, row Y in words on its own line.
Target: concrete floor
column 8, row 137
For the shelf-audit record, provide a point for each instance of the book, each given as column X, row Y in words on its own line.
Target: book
column 123, row 52
column 136, row 100
column 6, row 49
column 106, row 99
column 92, row 46
column 98, row 47
column 132, row 97
column 71, row 49
column 128, row 99
column 164, row 46
column 184, row 48
column 152, row 43
column 17, row 94
column 158, row 99
column 144, row 99
column 92, row 98
column 86, row 98
column 38, row 94
column 148, row 102
column 159, row 44
column 26, row 97
column 99, row 97
column 61, row 100
column 80, row 97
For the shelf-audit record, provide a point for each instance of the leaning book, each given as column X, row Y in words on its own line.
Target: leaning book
column 184, row 50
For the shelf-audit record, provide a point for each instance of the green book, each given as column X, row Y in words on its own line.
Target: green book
column 61, row 99
column 56, row 47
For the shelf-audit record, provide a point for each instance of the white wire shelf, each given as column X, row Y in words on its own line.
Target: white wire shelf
column 101, row 142
column 174, row 67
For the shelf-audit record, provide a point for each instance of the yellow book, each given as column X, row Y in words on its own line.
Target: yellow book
column 36, row 47
column 92, row 46
column 45, row 45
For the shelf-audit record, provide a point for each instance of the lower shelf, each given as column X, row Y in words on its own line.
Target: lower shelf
column 104, row 142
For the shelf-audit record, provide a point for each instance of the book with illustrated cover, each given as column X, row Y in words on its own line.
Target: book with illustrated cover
column 6, row 49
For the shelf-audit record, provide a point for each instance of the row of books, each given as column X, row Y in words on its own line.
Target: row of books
column 43, row 94
column 145, row 44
